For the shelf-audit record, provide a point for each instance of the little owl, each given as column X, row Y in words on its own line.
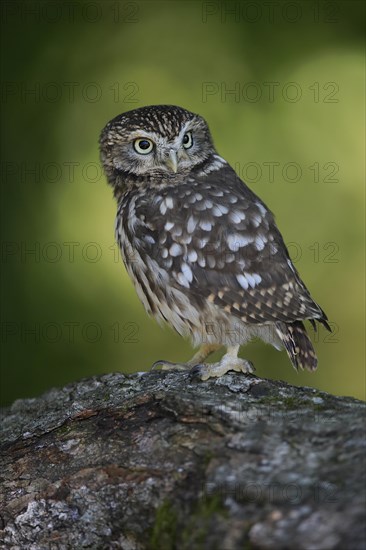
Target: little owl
column 202, row 250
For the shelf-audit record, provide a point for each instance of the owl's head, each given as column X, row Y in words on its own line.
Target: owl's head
column 160, row 140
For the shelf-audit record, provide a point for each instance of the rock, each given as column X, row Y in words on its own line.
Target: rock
column 156, row 460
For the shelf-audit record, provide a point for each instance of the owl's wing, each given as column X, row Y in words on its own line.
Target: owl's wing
column 219, row 242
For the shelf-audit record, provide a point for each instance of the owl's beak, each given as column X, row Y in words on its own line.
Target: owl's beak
column 172, row 161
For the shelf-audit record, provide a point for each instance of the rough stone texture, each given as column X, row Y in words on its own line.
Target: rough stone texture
column 159, row 461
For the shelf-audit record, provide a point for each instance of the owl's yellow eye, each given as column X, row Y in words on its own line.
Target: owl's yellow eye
column 143, row 146
column 187, row 140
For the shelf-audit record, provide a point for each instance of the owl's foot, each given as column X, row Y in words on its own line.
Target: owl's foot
column 202, row 354
column 167, row 365
column 230, row 361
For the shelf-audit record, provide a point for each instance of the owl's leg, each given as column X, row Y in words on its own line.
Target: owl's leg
column 202, row 354
column 230, row 361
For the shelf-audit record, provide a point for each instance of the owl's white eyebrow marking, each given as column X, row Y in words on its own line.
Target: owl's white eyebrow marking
column 175, row 249
column 236, row 241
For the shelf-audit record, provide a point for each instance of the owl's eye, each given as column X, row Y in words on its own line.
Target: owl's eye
column 143, row 146
column 187, row 140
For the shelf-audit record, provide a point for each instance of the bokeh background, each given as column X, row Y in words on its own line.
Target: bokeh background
column 282, row 87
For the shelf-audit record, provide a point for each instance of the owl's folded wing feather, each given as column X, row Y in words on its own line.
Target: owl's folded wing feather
column 221, row 244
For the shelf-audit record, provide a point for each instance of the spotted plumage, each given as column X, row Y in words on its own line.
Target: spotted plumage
column 202, row 249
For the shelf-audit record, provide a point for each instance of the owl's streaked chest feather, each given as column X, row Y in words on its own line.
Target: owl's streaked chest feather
column 151, row 276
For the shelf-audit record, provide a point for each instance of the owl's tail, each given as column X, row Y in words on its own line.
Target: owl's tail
column 298, row 345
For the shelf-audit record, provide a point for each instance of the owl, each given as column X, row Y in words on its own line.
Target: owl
column 203, row 251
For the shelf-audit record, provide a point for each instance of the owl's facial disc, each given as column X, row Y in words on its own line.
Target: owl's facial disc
column 162, row 153
column 158, row 141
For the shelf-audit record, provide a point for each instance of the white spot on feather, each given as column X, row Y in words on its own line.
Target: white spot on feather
column 187, row 272
column 175, row 250
column 182, row 280
column 192, row 256
column 191, row 225
column 206, row 226
column 236, row 216
column 260, row 243
column 168, row 226
column 247, row 280
column 256, row 220
column 261, row 208
column 242, row 281
column 236, row 241
column 166, row 204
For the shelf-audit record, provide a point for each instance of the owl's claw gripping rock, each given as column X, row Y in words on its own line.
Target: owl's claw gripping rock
column 168, row 365
column 205, row 371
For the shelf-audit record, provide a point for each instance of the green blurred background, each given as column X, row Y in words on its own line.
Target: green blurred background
column 282, row 87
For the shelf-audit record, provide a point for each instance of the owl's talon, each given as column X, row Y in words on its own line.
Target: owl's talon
column 196, row 372
column 228, row 363
column 157, row 364
column 168, row 365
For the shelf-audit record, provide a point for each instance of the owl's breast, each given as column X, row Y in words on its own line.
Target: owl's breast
column 141, row 244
